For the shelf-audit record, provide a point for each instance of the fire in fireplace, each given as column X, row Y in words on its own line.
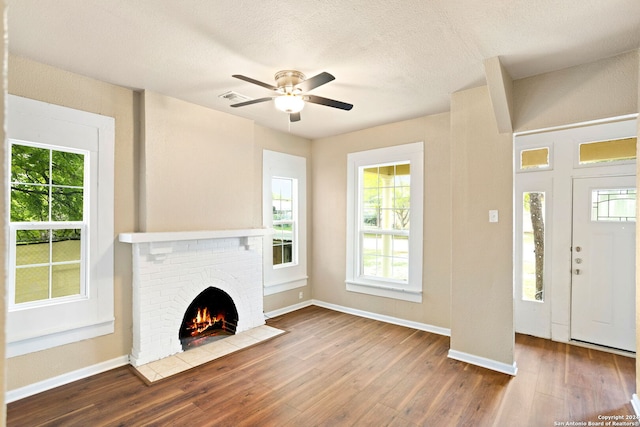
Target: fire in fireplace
column 211, row 316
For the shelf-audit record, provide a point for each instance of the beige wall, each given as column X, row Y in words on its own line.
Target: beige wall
column 593, row 91
column 329, row 176
column 482, row 252
column 197, row 170
column 37, row 81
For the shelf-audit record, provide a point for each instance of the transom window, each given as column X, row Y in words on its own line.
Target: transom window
column 48, row 221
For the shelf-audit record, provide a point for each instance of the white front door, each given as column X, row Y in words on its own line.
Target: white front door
column 603, row 261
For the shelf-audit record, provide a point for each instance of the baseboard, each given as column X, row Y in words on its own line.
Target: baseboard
column 635, row 402
column 483, row 362
column 289, row 309
column 48, row 384
column 387, row 319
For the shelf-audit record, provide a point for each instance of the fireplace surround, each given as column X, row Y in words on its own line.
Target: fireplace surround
column 170, row 269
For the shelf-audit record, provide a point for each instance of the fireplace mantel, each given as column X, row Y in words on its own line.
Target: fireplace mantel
column 176, row 236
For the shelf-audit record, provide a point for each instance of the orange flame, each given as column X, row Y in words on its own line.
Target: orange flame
column 204, row 320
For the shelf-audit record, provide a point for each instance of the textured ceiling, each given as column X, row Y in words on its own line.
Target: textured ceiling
column 392, row 59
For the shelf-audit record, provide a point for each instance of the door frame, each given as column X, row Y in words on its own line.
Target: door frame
column 563, row 144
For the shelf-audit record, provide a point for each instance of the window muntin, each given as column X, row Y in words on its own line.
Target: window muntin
column 613, row 205
column 533, row 244
column 47, row 218
column 284, row 220
column 384, row 221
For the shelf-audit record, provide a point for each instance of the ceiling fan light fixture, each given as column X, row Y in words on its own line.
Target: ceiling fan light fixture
column 289, row 103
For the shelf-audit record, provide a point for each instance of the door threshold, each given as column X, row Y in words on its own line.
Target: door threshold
column 604, row 348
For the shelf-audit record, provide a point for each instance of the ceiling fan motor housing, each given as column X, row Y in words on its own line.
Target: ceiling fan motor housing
column 286, row 80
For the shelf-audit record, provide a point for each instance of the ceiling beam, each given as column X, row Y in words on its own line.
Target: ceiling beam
column 500, row 90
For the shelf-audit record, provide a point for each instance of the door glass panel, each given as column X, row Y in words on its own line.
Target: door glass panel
column 617, row 205
column 533, row 246
column 608, row 151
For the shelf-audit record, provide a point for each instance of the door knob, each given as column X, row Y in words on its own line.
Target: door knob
column 577, row 271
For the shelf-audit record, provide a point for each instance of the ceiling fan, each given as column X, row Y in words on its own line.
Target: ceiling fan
column 291, row 87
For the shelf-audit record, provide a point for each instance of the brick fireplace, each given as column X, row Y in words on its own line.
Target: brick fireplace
column 171, row 269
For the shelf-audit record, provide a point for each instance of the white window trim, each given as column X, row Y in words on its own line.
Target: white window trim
column 355, row 282
column 291, row 275
column 70, row 321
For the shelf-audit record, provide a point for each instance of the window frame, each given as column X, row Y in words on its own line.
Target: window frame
column 33, row 122
column 292, row 275
column 356, row 281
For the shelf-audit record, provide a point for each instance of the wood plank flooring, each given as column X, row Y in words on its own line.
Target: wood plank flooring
column 334, row 369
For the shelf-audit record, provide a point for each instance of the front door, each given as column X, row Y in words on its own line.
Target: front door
column 603, row 261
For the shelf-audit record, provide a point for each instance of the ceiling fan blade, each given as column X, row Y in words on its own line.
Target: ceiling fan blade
column 328, row 102
column 254, row 81
column 315, row 81
column 294, row 117
column 253, row 101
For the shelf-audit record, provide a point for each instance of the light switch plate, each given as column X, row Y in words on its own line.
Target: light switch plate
column 493, row 216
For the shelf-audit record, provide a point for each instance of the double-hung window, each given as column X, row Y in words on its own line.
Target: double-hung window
column 61, row 231
column 384, row 222
column 48, row 224
column 284, row 211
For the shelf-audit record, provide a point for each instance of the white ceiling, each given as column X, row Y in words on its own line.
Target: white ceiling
column 392, row 59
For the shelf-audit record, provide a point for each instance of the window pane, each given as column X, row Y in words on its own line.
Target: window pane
column 66, row 245
column 281, row 196
column 608, row 151
column 29, row 165
column 66, row 204
column 385, row 256
column 283, row 243
column 613, row 205
column 29, row 203
column 65, row 280
column 67, row 168
column 533, row 246
column 400, row 258
column 32, row 284
column 32, row 247
column 533, row 159
column 370, row 178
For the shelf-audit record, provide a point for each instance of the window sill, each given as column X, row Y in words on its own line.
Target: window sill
column 382, row 290
column 277, row 287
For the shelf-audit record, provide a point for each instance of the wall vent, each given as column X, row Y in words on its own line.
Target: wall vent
column 234, row 97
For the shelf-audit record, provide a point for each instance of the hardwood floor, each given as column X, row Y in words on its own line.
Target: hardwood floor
column 334, row 369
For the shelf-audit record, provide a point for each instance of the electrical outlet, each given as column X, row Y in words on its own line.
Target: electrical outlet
column 300, row 295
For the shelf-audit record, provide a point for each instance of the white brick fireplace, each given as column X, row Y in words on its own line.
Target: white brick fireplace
column 171, row 269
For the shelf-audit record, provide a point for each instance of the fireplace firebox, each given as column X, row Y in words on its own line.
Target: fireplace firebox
column 211, row 316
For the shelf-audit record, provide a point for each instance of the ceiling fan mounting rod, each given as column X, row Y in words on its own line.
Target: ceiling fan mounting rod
column 286, row 80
